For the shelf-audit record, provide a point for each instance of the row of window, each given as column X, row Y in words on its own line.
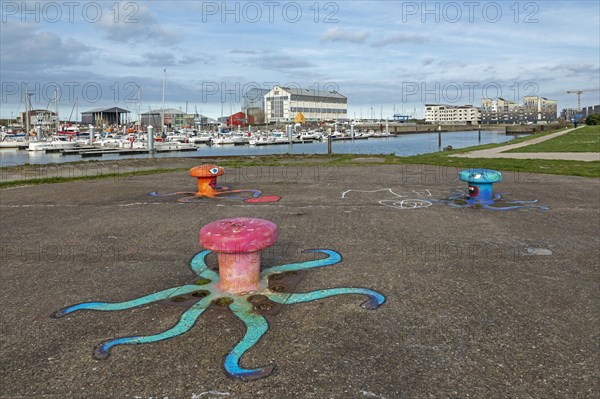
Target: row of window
column 310, row 99
column 277, row 107
column 450, row 113
column 319, row 110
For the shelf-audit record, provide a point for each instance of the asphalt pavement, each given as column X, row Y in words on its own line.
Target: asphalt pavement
column 479, row 303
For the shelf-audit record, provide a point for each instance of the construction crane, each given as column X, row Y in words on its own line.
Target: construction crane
column 578, row 92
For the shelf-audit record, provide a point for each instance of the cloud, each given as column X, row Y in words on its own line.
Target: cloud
column 428, row 61
column 576, row 69
column 282, row 62
column 340, row 35
column 137, row 24
column 23, row 47
column 236, row 51
column 162, row 59
column 400, row 38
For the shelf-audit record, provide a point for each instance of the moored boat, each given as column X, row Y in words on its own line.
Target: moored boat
column 55, row 143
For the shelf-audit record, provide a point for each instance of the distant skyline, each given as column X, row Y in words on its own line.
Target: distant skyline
column 382, row 55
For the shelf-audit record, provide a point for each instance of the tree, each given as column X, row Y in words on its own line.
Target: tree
column 593, row 119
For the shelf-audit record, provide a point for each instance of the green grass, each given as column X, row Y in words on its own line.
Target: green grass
column 558, row 167
column 58, row 179
column 546, row 166
column 586, row 139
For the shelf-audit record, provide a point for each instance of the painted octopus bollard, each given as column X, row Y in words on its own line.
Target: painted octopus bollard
column 239, row 285
column 480, row 195
column 238, row 242
column 480, row 183
column 207, row 179
column 207, row 188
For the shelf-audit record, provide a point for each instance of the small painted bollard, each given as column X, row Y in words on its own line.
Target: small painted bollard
column 480, row 192
column 238, row 242
column 480, row 184
column 207, row 188
column 207, row 179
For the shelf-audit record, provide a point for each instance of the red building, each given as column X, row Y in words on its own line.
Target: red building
column 239, row 119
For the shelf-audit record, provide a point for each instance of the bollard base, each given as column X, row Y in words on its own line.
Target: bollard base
column 239, row 272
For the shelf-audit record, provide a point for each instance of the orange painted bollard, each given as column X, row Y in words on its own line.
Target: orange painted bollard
column 207, row 179
column 207, row 188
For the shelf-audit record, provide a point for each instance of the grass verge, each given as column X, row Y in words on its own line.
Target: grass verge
column 59, row 179
column 586, row 139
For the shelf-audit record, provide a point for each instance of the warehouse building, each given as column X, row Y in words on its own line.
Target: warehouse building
column 172, row 118
column 105, row 116
column 282, row 104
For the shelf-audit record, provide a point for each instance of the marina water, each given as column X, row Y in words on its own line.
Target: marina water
column 401, row 145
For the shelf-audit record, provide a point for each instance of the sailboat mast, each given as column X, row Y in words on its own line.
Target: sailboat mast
column 139, row 101
column 56, row 107
column 27, row 110
column 162, row 109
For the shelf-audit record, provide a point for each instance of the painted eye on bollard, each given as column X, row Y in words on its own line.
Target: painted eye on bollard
column 214, row 171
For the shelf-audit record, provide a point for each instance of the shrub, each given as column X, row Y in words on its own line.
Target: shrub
column 593, row 119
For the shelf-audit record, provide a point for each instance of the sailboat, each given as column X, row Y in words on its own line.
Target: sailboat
column 171, row 145
column 56, row 142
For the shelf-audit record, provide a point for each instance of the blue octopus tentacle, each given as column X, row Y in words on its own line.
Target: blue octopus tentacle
column 255, row 193
column 198, row 266
column 333, row 258
column 523, row 201
column 155, row 194
column 506, row 208
column 256, row 327
column 185, row 323
column 144, row 300
column 375, row 299
column 194, row 198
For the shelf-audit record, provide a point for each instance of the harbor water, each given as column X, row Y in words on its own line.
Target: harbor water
column 401, row 145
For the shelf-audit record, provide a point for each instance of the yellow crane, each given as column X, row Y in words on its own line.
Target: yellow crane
column 578, row 92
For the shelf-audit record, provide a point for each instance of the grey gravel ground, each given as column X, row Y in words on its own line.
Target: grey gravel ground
column 479, row 304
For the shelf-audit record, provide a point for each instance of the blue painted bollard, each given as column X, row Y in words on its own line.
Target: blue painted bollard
column 480, row 194
column 480, row 184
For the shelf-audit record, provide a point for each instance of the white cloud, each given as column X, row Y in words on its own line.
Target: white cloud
column 343, row 35
column 401, row 38
column 25, row 47
column 140, row 23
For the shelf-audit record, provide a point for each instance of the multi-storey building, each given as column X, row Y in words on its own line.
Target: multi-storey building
column 534, row 110
column 568, row 114
column 39, row 117
column 253, row 104
column 451, row 114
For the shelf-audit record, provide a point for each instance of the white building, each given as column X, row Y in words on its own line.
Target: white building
column 451, row 114
column 534, row 110
column 39, row 117
column 282, row 104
